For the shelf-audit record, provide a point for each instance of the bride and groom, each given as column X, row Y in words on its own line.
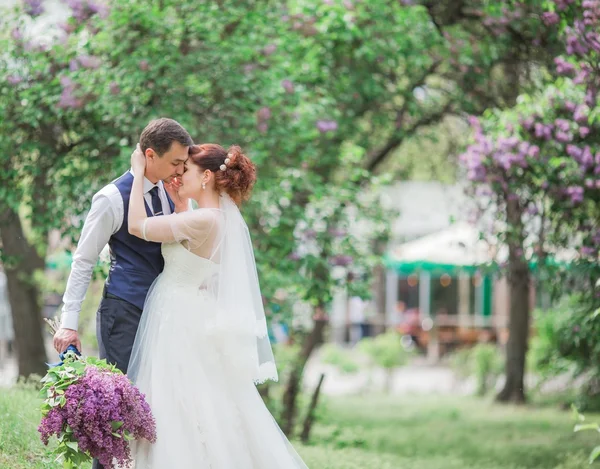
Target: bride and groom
column 181, row 311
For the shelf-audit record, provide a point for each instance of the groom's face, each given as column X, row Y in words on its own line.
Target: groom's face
column 170, row 164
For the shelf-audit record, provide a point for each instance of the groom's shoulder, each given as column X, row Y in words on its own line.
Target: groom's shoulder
column 109, row 191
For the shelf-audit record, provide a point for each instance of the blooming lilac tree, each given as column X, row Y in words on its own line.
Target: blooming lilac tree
column 315, row 77
column 538, row 168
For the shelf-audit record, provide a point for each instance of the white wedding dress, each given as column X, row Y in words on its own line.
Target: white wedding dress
column 208, row 412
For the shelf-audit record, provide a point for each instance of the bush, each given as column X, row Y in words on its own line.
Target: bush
column 385, row 350
column 544, row 358
column 568, row 340
column 337, row 356
column 483, row 361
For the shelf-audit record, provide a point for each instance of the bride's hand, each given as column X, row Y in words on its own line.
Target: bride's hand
column 138, row 161
column 172, row 188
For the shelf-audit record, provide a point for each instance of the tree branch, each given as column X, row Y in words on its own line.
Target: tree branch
column 378, row 157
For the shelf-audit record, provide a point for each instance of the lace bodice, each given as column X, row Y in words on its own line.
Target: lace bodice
column 185, row 269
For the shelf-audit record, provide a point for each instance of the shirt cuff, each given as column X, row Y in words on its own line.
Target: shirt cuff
column 69, row 320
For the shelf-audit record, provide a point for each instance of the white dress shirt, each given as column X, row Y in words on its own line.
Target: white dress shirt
column 104, row 219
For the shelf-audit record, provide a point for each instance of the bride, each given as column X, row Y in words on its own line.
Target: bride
column 202, row 343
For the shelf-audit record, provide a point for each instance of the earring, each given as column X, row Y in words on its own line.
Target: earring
column 203, row 185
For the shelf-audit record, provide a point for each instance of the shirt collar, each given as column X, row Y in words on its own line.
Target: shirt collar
column 148, row 184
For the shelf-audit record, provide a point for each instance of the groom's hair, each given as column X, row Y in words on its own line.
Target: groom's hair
column 160, row 134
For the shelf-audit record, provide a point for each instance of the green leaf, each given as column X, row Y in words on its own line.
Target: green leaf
column 594, row 454
column 73, row 445
column 116, row 425
column 586, row 426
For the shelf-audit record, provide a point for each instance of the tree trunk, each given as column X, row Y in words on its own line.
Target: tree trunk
column 379, row 282
column 389, row 380
column 292, row 387
column 310, row 415
column 20, row 263
column 518, row 327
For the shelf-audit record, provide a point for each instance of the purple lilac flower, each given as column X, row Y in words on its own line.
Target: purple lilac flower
column 562, row 124
column 563, row 137
column 527, row 123
column 574, row 151
column 16, row 34
column 269, row 49
column 249, row 68
column 584, row 131
column 563, row 4
column 33, row 7
column 576, row 194
column 294, row 256
column 580, row 115
column 588, row 251
column 93, row 403
column 341, row 261
column 288, row 86
column 570, row 106
column 114, row 88
column 325, row 126
column 89, row 61
column 587, row 159
column 14, row 79
column 85, row 9
column 68, row 99
column 534, row 151
column 337, row 232
column 563, row 67
column 575, row 46
column 263, row 114
column 543, row 131
column 550, row 18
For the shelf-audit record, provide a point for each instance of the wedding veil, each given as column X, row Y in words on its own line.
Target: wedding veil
column 240, row 314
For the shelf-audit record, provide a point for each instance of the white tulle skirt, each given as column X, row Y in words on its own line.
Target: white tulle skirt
column 208, row 415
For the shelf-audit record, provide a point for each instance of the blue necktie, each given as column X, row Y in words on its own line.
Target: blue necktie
column 156, row 203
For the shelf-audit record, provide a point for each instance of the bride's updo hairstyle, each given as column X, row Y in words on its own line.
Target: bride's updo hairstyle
column 234, row 172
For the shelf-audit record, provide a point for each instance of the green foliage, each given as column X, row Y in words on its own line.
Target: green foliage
column 483, row 361
column 566, row 341
column 384, row 432
column 333, row 354
column 488, row 365
column 585, row 427
column 385, row 350
column 544, row 357
column 339, row 437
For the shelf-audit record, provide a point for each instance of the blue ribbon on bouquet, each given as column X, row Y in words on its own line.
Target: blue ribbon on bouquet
column 70, row 348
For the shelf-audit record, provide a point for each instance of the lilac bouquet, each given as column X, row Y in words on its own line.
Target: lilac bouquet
column 94, row 411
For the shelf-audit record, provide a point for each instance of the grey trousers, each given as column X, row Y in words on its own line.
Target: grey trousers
column 116, row 326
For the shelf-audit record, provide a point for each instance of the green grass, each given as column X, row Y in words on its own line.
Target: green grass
column 380, row 433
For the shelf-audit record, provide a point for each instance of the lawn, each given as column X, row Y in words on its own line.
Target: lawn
column 380, row 433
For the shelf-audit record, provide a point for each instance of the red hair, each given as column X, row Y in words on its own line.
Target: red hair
column 239, row 176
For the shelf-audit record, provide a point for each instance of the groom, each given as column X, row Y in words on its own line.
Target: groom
column 135, row 263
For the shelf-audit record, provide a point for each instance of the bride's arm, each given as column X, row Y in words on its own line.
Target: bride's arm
column 191, row 225
column 194, row 225
column 137, row 212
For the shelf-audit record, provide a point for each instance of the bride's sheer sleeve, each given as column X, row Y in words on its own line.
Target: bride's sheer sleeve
column 194, row 226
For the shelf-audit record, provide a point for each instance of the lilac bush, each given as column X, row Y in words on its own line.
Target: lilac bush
column 94, row 411
column 539, row 166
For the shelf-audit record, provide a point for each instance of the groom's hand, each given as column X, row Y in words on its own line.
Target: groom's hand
column 65, row 337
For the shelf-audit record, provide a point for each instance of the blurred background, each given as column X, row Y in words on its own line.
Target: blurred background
column 426, row 220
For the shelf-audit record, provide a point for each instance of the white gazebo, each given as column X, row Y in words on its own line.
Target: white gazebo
column 454, row 258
